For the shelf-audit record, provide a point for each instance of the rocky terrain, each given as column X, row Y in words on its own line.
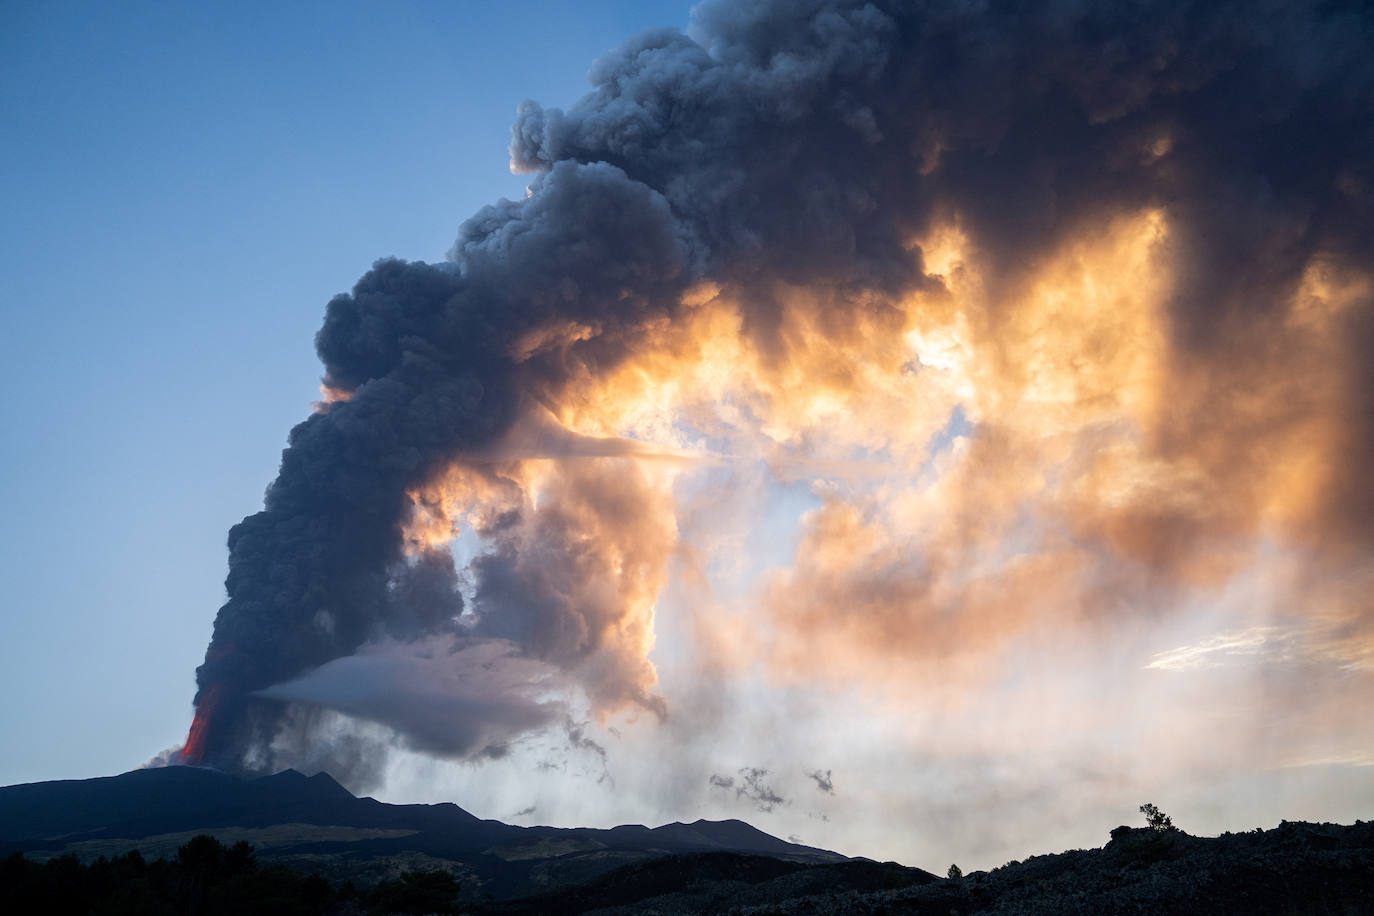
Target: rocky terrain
column 1295, row 868
column 312, row 828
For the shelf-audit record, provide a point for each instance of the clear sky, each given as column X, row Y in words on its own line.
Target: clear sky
column 977, row 506
column 185, row 188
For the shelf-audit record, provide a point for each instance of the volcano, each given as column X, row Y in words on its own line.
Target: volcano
column 315, row 824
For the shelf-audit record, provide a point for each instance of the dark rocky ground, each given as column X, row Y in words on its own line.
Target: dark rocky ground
column 309, row 829
column 1295, row 868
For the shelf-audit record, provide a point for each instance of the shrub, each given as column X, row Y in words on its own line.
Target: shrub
column 1157, row 820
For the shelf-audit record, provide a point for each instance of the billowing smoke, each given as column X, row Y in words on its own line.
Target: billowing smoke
column 425, row 363
column 1062, row 312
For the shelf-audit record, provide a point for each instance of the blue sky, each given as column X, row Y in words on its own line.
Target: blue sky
column 185, row 187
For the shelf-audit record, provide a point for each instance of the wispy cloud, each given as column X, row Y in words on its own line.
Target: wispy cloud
column 751, row 785
column 1272, row 644
column 1358, row 759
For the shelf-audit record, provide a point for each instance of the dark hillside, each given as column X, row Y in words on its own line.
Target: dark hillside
column 297, row 827
column 715, row 882
column 315, row 825
column 1295, row 869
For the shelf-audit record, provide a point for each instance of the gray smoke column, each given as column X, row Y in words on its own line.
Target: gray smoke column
column 807, row 144
column 423, row 355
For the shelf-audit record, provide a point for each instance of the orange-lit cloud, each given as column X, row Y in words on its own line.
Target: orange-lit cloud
column 988, row 475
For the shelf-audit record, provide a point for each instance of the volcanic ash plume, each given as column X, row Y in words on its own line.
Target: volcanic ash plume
column 1059, row 313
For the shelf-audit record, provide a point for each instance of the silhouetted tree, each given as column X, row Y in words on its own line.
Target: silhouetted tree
column 240, row 858
column 204, row 878
column 955, row 872
column 1156, row 819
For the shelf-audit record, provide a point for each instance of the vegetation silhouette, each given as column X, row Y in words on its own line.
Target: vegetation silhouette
column 1157, row 820
column 1295, row 869
column 207, row 878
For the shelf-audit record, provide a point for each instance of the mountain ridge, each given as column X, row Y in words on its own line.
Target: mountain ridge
column 314, row 823
column 705, row 866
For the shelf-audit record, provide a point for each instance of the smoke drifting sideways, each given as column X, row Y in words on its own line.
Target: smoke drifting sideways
column 1129, row 243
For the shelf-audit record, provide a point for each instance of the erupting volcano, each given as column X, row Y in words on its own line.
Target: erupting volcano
column 845, row 354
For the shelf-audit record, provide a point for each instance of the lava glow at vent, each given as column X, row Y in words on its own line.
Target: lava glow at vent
column 193, row 752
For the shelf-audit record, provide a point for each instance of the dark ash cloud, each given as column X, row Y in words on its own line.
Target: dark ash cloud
column 800, row 144
column 750, row 786
column 822, row 780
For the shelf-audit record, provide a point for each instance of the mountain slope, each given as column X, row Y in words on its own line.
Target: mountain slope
column 315, row 824
column 1295, row 869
